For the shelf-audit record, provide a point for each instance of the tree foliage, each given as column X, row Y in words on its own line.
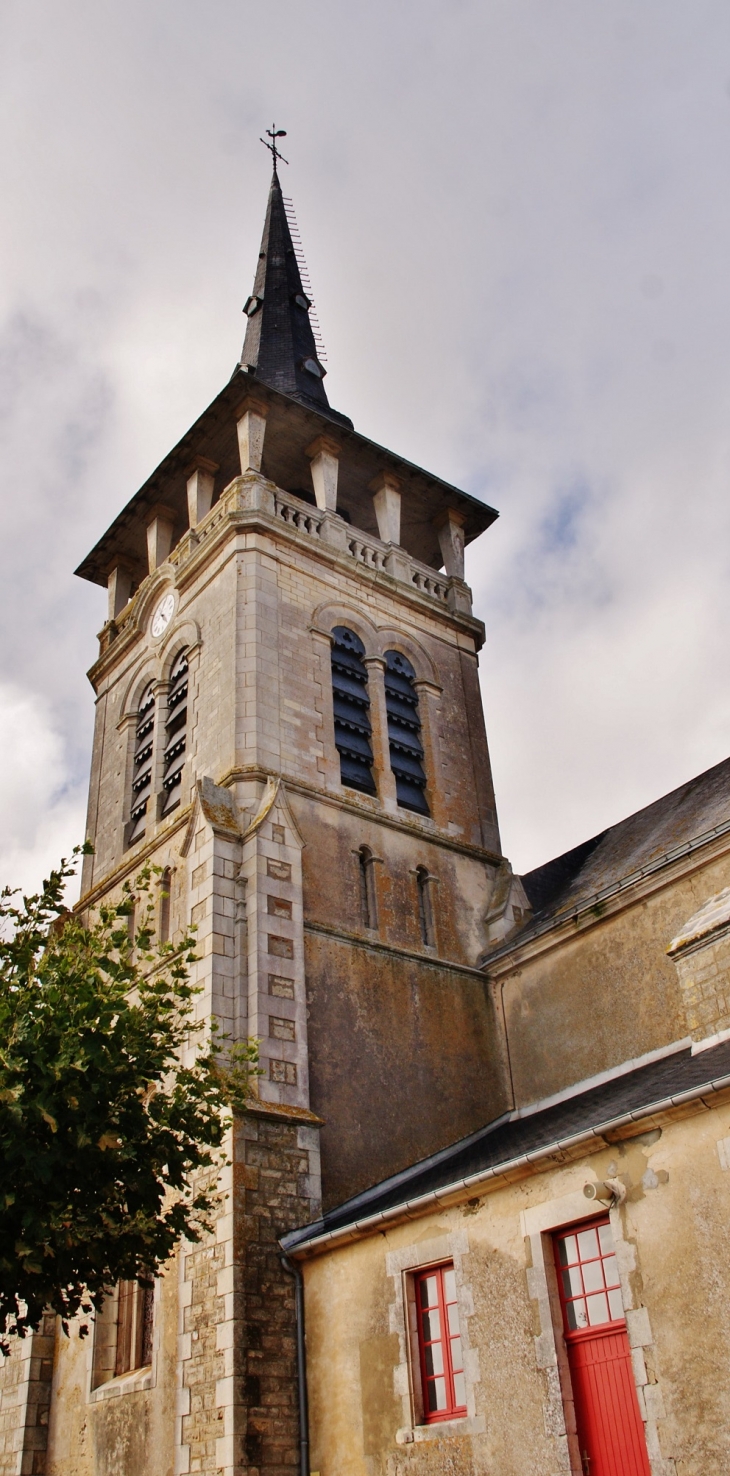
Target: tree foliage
column 109, row 1118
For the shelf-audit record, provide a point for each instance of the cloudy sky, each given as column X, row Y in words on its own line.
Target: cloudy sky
column 516, row 216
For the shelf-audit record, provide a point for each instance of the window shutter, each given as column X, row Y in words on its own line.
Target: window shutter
column 142, row 770
column 404, row 733
column 351, row 703
column 175, row 733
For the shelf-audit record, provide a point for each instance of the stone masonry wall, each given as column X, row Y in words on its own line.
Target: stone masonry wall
column 704, row 979
column 275, row 1195
column 238, row 1370
column 701, row 952
column 25, row 1393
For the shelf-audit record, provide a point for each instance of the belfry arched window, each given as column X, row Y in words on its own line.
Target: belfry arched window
column 351, row 704
column 175, row 733
column 142, row 766
column 404, row 733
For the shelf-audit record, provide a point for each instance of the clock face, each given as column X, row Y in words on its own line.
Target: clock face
column 163, row 615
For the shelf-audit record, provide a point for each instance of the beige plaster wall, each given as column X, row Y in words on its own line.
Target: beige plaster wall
column 671, row 1241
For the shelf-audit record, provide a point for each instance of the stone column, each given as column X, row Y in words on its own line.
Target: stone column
column 323, row 670
column 450, row 529
column 201, row 485
column 160, row 532
column 384, row 776
column 429, row 696
column 119, row 586
column 387, row 504
column 251, row 426
column 324, row 455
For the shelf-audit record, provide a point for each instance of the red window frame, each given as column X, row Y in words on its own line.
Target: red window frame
column 579, row 1290
column 439, row 1344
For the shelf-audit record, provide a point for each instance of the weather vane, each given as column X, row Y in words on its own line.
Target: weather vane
column 273, row 133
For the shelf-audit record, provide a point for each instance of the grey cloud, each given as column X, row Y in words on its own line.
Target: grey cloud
column 488, row 195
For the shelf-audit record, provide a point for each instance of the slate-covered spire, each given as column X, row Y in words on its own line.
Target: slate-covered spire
column 279, row 347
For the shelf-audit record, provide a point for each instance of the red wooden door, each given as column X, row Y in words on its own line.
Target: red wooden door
column 610, row 1429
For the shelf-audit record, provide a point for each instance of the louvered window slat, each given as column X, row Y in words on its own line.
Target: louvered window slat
column 142, row 767
column 404, row 728
column 351, row 704
column 175, row 734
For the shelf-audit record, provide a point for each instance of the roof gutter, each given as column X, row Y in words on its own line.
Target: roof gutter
column 414, row 1208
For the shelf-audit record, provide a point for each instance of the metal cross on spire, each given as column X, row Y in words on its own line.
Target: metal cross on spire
column 273, row 133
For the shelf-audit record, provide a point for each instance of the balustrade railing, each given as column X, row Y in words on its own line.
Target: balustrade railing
column 303, row 518
column 427, row 582
column 367, row 550
column 371, row 554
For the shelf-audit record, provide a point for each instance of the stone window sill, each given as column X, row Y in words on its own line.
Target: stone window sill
column 465, row 1425
column 130, row 1383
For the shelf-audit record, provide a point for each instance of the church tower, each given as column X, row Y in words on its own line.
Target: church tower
column 289, row 724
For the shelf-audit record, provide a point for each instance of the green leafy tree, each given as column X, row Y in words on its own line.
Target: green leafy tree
column 109, row 1142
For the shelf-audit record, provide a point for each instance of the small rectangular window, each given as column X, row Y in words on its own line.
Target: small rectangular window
column 134, row 1326
column 123, row 1331
column 439, row 1345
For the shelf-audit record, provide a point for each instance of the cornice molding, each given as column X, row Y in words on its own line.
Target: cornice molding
column 375, row 945
column 427, row 831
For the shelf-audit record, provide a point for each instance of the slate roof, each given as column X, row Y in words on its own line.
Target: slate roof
column 677, row 822
column 510, row 1137
column 279, row 336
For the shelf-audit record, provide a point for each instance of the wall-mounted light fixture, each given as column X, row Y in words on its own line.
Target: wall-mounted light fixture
column 608, row 1191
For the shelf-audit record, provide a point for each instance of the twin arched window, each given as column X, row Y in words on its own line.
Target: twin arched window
column 353, row 727
column 173, row 758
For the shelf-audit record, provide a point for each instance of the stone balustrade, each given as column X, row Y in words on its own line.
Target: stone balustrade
column 253, row 493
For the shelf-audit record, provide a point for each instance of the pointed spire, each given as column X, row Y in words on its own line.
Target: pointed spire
column 280, row 348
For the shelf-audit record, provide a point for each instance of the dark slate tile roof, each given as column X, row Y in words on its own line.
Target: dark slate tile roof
column 511, row 1136
column 635, row 844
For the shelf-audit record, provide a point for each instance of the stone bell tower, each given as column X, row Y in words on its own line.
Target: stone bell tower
column 289, row 724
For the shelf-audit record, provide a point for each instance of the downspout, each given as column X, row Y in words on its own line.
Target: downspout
column 293, row 1270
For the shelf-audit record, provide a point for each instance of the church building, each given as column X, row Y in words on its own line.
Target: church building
column 476, row 1212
